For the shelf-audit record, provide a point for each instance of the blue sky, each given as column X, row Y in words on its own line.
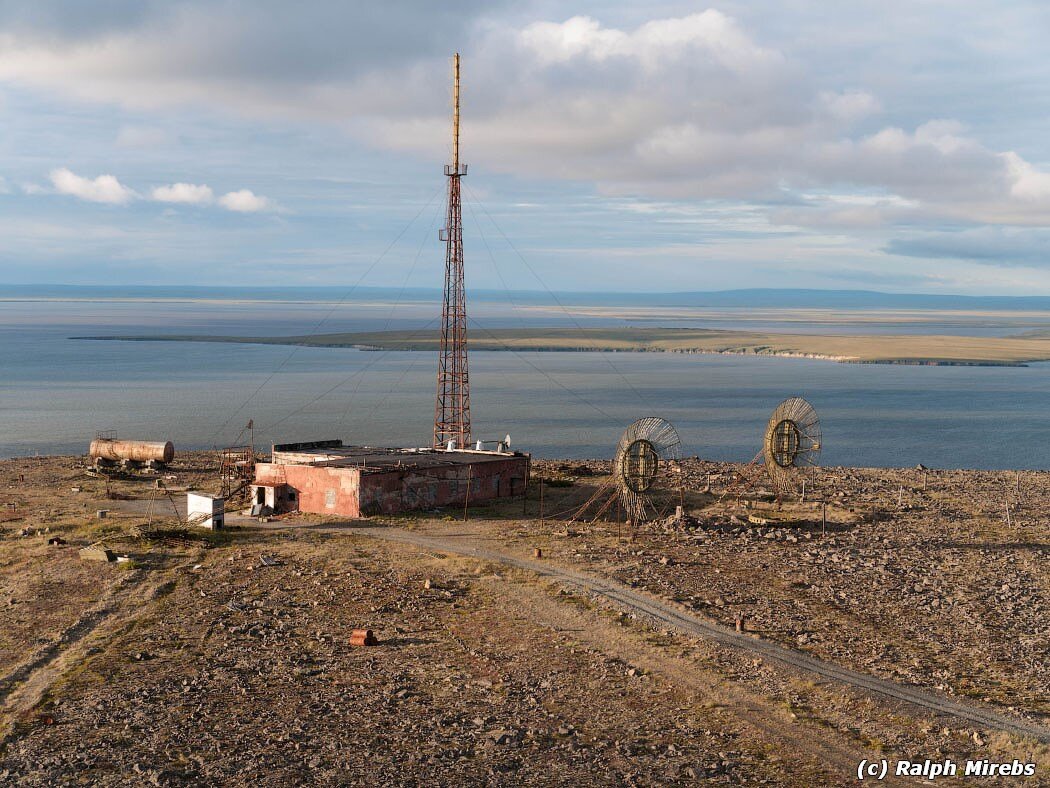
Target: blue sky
column 899, row 146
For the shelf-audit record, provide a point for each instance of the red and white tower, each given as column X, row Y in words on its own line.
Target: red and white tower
column 452, row 407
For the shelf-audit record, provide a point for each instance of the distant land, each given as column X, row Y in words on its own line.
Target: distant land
column 860, row 349
column 760, row 298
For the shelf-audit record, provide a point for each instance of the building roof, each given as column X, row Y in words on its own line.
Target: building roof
column 383, row 459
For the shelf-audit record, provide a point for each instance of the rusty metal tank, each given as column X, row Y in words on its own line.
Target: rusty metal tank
column 138, row 451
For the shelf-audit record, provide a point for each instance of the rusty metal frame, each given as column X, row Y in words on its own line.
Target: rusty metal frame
column 452, row 403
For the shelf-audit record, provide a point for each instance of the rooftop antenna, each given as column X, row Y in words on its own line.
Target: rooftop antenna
column 452, row 405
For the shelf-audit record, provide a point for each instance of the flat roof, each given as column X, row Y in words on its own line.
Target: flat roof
column 369, row 457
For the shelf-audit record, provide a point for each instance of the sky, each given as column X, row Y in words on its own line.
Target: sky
column 897, row 145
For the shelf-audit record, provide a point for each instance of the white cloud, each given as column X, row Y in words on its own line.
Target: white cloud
column 1028, row 183
column 107, row 189
column 186, row 193
column 708, row 35
column 245, row 201
column 849, row 105
column 702, row 106
column 104, row 188
column 580, row 36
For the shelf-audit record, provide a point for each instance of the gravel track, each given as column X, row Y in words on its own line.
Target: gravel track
column 694, row 625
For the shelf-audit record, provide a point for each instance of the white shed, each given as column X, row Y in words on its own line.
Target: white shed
column 206, row 511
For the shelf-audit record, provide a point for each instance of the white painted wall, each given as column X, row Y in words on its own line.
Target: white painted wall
column 199, row 505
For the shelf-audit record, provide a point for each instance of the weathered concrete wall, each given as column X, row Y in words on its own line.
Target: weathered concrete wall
column 349, row 493
column 403, row 489
column 319, row 489
column 303, row 457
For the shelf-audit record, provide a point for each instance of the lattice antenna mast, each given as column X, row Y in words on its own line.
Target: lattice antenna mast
column 452, row 407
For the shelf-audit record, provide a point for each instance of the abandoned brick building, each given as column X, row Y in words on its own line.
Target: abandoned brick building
column 357, row 481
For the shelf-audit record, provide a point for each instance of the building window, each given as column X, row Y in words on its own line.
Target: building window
column 329, row 499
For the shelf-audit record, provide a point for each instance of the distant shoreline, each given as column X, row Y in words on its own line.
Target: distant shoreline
column 907, row 350
column 748, row 298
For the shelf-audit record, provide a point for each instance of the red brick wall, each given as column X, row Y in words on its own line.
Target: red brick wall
column 344, row 492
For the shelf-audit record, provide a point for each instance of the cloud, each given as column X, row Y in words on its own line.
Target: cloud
column 240, row 201
column 1027, row 183
column 245, row 201
column 702, row 107
column 695, row 108
column 5, row 188
column 997, row 246
column 845, row 211
column 709, row 34
column 107, row 189
column 104, row 188
column 186, row 193
column 256, row 56
column 849, row 105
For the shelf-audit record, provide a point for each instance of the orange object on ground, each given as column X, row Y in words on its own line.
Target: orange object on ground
column 363, row 637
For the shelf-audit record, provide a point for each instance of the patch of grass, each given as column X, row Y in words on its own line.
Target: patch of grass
column 876, row 744
column 221, row 538
column 558, row 483
column 576, row 600
column 109, row 529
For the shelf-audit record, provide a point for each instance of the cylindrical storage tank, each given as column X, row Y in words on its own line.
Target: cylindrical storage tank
column 139, row 451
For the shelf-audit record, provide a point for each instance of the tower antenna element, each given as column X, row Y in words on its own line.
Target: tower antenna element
column 452, row 404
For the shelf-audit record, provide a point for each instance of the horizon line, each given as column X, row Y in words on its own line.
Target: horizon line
column 544, row 292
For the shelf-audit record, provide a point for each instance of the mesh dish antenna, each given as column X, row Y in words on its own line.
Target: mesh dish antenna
column 792, row 442
column 649, row 450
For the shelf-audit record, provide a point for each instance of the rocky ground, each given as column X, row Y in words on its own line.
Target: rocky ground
column 930, row 586
column 225, row 658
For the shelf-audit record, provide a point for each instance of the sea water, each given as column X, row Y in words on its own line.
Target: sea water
column 55, row 392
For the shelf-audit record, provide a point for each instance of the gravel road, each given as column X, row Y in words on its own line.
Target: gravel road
column 694, row 625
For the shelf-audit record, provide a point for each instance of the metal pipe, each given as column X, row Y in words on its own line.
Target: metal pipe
column 455, row 115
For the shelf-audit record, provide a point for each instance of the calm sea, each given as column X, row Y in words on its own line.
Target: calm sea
column 55, row 392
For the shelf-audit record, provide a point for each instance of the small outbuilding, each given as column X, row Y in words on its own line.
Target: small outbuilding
column 205, row 511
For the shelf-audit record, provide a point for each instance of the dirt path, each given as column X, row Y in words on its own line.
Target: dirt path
column 693, row 625
column 23, row 687
column 830, row 750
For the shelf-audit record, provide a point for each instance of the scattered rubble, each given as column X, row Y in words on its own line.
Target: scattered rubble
column 97, row 553
column 239, row 667
column 262, row 686
column 942, row 592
